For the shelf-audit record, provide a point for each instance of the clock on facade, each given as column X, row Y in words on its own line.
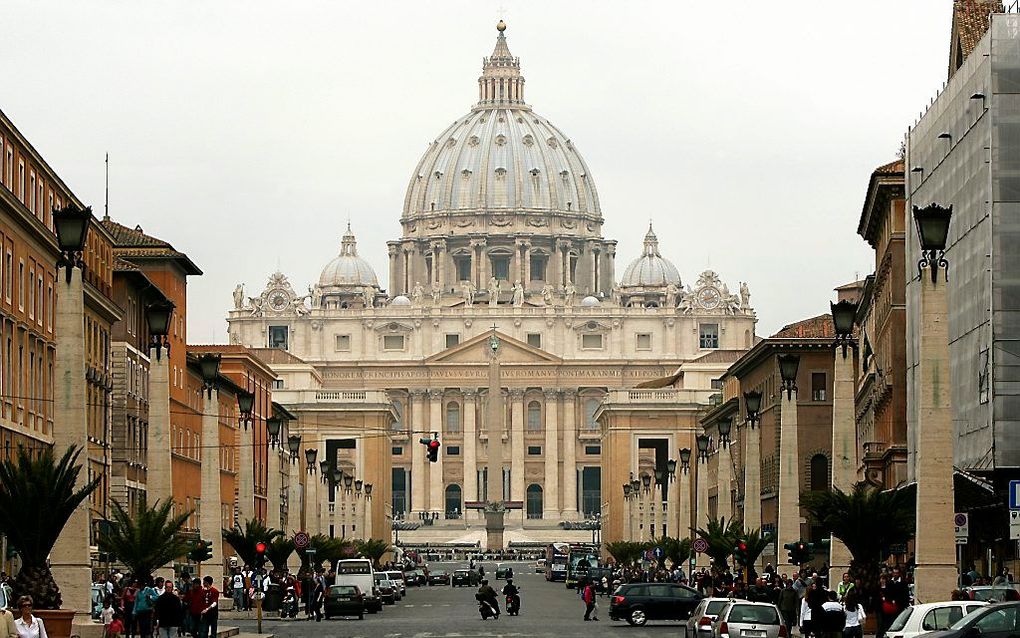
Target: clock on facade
column 709, row 297
column 278, row 299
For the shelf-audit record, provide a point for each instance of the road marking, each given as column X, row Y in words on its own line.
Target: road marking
column 427, row 605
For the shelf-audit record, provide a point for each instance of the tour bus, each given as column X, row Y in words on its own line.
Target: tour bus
column 556, row 561
column 359, row 572
column 580, row 559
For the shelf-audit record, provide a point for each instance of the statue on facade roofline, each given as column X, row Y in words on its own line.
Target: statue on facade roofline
column 417, row 294
column 671, row 292
column 518, row 294
column 467, row 289
column 493, row 291
column 437, row 293
column 239, row 297
column 569, row 291
column 745, row 296
column 547, row 294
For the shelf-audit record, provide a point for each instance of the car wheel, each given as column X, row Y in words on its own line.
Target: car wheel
column 361, row 615
column 637, row 617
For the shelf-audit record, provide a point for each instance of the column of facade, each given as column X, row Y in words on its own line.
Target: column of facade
column 724, row 473
column 702, row 514
column 627, row 512
column 596, row 258
column 209, row 520
column 477, row 246
column 436, row 501
column 416, row 420
column 551, row 490
column 672, row 500
column 470, row 452
column 483, row 266
column 788, row 526
column 568, row 276
column 844, row 450
column 684, row 518
column 310, row 505
column 569, row 505
column 609, row 267
column 159, row 473
column 517, row 448
column 396, row 283
column 752, row 477
column 246, row 469
column 274, row 485
column 69, row 560
column 526, row 281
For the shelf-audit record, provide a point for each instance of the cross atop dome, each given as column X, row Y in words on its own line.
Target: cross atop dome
column 501, row 83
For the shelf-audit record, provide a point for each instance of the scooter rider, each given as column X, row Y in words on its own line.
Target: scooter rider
column 513, row 599
column 487, row 594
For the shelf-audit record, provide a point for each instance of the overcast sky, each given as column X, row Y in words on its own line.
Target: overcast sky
column 246, row 132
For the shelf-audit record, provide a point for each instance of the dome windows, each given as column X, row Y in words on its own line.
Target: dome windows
column 534, row 172
column 438, row 174
column 473, row 140
column 552, row 142
column 528, row 140
column 500, row 172
column 466, row 173
column 500, row 140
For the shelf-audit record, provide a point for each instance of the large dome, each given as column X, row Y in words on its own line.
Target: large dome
column 501, row 155
column 650, row 269
column 347, row 269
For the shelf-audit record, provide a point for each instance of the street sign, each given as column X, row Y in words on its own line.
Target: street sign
column 658, row 553
column 961, row 523
column 700, row 545
column 649, row 554
column 301, row 540
column 1014, row 525
column 1014, row 495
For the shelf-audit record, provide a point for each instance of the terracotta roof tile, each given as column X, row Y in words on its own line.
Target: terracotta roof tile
column 819, row 327
column 970, row 22
column 124, row 236
column 892, row 168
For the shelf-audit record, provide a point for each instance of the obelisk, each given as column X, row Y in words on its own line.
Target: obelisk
column 494, row 507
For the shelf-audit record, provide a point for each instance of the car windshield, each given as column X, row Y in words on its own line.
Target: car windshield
column 901, row 621
column 714, row 607
column 343, row 590
column 963, row 622
column 756, row 614
column 990, row 594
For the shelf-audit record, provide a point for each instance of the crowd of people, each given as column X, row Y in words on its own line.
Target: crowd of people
column 158, row 607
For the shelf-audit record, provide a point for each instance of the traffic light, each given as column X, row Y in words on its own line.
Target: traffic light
column 201, row 552
column 799, row 552
column 431, row 447
column 260, row 554
column 740, row 553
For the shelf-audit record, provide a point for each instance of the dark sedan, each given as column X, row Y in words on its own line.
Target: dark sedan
column 414, row 578
column 344, row 600
column 1001, row 620
column 637, row 603
column 465, row 578
column 439, row 577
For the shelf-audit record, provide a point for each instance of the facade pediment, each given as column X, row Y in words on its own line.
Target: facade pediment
column 476, row 350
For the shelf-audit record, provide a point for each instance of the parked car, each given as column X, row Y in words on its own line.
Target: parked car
column 465, row 578
column 504, row 571
column 637, row 603
column 991, row 593
column 919, row 619
column 385, row 589
column 439, row 577
column 359, row 572
column 540, row 566
column 745, row 619
column 999, row 620
column 414, row 578
column 344, row 600
column 699, row 625
column 398, row 579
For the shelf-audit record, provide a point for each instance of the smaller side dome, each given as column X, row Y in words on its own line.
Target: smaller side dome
column 590, row 302
column 347, row 269
column 400, row 300
column 651, row 269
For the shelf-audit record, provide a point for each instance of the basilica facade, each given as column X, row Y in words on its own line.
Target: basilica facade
column 501, row 233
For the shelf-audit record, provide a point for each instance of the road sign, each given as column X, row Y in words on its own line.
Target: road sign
column 1014, row 525
column 700, row 545
column 301, row 540
column 1014, row 495
column 961, row 523
column 649, row 554
column 658, row 553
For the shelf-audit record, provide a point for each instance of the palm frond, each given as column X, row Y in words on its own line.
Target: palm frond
column 147, row 539
column 243, row 540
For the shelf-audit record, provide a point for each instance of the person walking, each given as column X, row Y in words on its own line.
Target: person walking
column 844, row 587
column 168, row 611
column 195, row 606
column 590, row 605
column 127, row 604
column 28, row 625
column 788, row 604
column 210, row 614
column 318, row 595
column 7, row 627
column 855, row 616
column 144, row 601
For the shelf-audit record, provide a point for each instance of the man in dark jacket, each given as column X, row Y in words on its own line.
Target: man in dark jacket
column 168, row 612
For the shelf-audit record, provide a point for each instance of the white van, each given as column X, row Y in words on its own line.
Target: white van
column 359, row 572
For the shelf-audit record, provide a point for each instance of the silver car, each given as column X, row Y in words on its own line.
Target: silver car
column 745, row 619
column 699, row 625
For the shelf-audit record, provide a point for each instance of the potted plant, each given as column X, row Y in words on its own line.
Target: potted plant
column 38, row 494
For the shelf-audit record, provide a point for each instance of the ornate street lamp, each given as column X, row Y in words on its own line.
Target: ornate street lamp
column 209, row 363
column 324, row 470
column 932, row 224
column 368, row 490
column 294, row 446
column 685, row 459
column 843, row 315
column 703, row 442
column 337, row 476
column 752, row 406
column 72, row 226
column 659, row 476
column 157, row 316
column 646, row 481
column 273, row 426
column 671, row 469
column 724, row 426
column 348, row 481
column 626, row 491
column 635, row 486
column 310, row 455
column 358, row 484
column 245, row 404
column 788, row 364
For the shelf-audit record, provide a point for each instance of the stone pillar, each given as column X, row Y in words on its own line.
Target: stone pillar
column 294, row 506
column 627, row 512
column 69, row 560
column 752, row 478
column 596, row 265
column 934, row 541
column 684, row 495
column 470, row 451
column 416, row 419
column 517, row 449
column 788, row 526
column 210, row 523
column 724, row 481
column 568, row 276
column 673, row 527
column 702, row 515
column 396, row 282
column 551, row 490
column 483, row 267
column 526, row 278
column 159, row 474
column 274, row 485
column 844, row 451
column 439, row 263
column 311, row 502
column 569, row 455
column 246, row 469
column 436, row 500
column 609, row 267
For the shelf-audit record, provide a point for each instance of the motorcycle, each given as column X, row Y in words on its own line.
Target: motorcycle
column 485, row 608
column 513, row 604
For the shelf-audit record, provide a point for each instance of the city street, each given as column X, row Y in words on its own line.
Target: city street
column 548, row 609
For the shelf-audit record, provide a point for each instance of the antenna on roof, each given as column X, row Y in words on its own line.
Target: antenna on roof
column 106, row 213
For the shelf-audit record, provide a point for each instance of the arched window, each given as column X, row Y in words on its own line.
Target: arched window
column 454, row 507
column 534, row 416
column 534, row 501
column 453, row 417
column 819, row 473
column 590, row 406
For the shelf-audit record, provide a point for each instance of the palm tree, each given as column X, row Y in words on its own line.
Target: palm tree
column 678, row 550
column 721, row 537
column 326, row 549
column 37, row 497
column 244, row 540
column 868, row 520
column 279, row 550
column 373, row 548
column 147, row 539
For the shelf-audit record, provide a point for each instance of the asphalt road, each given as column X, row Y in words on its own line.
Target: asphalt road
column 547, row 609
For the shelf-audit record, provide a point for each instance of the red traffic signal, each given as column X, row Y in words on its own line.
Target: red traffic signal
column 743, row 547
column 433, row 450
column 260, row 548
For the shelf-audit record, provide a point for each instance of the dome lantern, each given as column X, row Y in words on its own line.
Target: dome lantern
column 501, row 82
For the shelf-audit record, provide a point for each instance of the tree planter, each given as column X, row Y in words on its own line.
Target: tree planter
column 57, row 621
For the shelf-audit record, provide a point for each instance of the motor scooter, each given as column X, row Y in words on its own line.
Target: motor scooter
column 513, row 604
column 485, row 608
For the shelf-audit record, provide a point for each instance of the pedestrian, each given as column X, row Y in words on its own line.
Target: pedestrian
column 318, row 595
column 788, row 604
column 590, row 604
column 855, row 616
column 196, row 604
column 7, row 626
column 844, row 587
column 168, row 611
column 145, row 599
column 237, row 590
column 28, row 625
column 106, row 615
column 116, row 628
column 210, row 598
column 127, row 605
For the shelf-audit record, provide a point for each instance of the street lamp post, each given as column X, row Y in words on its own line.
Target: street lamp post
column 789, row 452
column 159, row 455
column 752, row 461
column 684, row 528
column 725, row 470
column 703, row 444
column 844, row 422
column 246, row 454
column 209, row 517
